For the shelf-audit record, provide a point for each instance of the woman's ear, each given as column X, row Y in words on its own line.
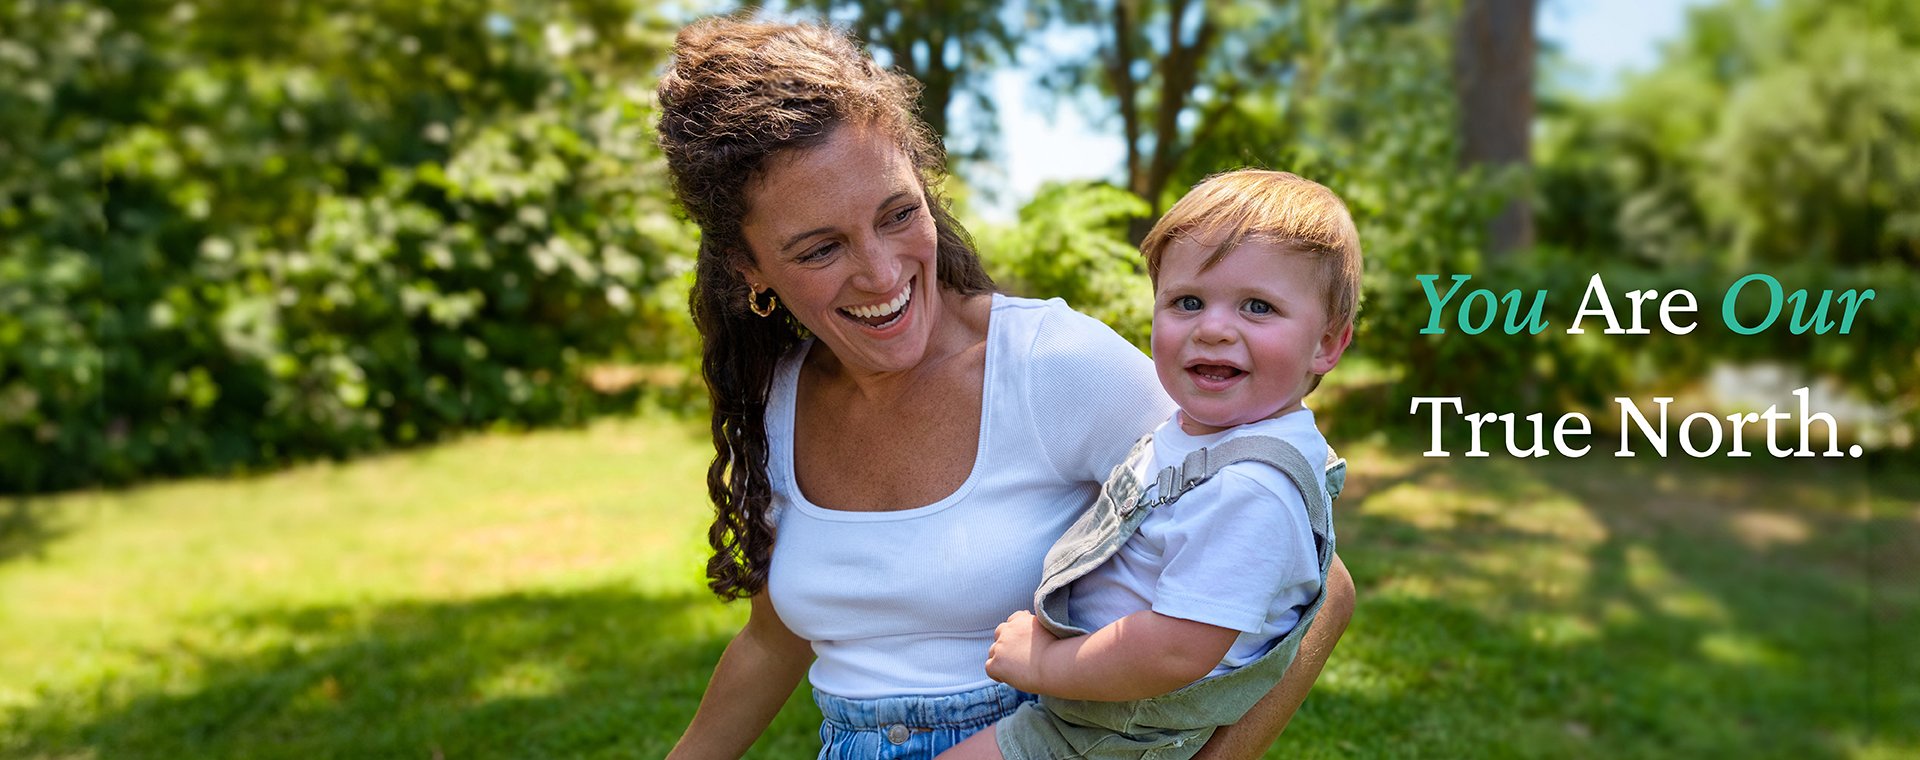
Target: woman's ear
column 750, row 274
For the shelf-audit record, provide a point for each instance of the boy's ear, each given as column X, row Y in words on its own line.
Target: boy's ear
column 1331, row 346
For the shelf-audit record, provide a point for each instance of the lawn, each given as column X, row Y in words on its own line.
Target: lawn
column 540, row 595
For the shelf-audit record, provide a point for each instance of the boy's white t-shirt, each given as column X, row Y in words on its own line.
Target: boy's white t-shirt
column 1236, row 551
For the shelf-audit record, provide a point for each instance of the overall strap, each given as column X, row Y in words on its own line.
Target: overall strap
column 1204, row 463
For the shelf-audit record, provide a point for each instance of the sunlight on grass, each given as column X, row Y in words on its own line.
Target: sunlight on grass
column 1877, row 749
column 1361, row 679
column 1528, row 506
column 1668, row 592
column 1765, row 530
column 523, row 679
column 1734, row 648
column 1561, row 630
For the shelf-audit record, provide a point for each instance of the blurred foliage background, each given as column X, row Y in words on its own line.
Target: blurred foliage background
column 237, row 234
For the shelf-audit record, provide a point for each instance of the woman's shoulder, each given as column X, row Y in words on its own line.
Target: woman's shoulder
column 1022, row 307
column 1050, row 331
column 1086, row 392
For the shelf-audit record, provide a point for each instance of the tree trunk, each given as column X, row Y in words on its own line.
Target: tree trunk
column 1493, row 77
column 1179, row 74
column 936, row 88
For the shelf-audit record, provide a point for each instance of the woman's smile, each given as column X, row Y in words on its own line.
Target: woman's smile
column 882, row 315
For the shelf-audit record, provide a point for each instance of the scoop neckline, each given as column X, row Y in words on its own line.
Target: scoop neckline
column 788, row 386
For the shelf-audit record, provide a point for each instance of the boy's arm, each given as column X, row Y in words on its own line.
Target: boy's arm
column 1142, row 655
column 1251, row 736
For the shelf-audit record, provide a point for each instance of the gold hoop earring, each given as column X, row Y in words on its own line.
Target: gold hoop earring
column 753, row 303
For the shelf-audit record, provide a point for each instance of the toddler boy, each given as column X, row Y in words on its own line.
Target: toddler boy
column 1205, row 558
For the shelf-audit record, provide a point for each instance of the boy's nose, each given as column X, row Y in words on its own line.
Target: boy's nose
column 1213, row 328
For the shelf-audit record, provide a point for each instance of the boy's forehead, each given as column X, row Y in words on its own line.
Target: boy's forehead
column 1216, row 234
column 1199, row 256
column 1218, row 245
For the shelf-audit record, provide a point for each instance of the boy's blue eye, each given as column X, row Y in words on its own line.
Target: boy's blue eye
column 1187, row 303
column 1257, row 306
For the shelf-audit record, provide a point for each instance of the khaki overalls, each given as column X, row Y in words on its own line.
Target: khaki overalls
column 1174, row 725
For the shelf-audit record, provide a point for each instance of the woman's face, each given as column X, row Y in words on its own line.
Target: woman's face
column 841, row 232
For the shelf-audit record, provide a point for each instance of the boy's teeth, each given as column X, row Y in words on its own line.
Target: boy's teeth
column 1215, row 371
column 881, row 310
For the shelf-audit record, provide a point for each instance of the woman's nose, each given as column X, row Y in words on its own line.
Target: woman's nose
column 876, row 268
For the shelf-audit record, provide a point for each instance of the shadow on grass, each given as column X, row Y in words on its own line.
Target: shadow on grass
column 1703, row 610
column 604, row 673
column 24, row 528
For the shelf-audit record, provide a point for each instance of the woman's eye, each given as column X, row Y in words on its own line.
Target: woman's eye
column 1257, row 306
column 904, row 214
column 1187, row 303
column 815, row 254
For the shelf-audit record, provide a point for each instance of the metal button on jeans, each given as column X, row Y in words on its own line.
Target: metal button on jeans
column 897, row 733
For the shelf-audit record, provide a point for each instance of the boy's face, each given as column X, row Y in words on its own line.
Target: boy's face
column 1239, row 342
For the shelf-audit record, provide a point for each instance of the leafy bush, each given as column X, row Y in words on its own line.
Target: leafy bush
column 1071, row 243
column 1772, row 137
column 238, row 233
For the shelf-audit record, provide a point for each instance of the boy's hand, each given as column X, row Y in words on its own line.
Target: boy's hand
column 1019, row 646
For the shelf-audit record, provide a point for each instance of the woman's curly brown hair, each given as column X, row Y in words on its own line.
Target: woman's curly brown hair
column 737, row 93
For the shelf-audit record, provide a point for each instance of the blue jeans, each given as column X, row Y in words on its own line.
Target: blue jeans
column 911, row 727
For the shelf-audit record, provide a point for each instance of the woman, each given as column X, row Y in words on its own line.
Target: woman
column 915, row 441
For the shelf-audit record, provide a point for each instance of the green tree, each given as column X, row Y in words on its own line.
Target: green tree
column 951, row 46
column 1358, row 97
column 1177, row 73
column 1771, row 136
column 1314, row 86
column 1704, row 154
column 1070, row 243
column 240, row 232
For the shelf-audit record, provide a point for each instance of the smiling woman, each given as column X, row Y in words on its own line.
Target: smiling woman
column 850, row 248
column 914, row 440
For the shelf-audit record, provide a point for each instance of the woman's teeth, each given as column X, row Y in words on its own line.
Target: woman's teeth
column 880, row 314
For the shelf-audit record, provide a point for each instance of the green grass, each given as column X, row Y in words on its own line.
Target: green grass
column 541, row 596
column 504, row 596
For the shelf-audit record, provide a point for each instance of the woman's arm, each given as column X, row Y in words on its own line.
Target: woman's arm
column 1255, row 732
column 754, row 678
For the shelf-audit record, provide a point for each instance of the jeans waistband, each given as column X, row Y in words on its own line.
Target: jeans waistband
column 966, row 709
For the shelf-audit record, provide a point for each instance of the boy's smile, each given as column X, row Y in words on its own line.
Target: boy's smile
column 1240, row 341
